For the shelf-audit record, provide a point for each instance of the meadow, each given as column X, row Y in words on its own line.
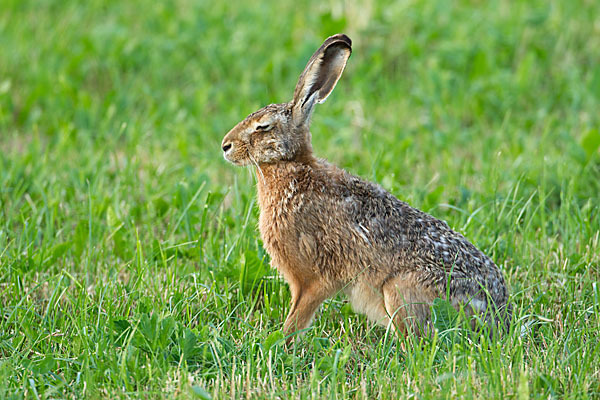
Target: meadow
column 130, row 261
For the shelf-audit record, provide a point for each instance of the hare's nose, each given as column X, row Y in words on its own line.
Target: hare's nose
column 226, row 147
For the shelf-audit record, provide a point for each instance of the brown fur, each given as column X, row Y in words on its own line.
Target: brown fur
column 329, row 231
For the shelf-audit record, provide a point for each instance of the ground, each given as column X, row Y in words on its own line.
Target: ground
column 130, row 262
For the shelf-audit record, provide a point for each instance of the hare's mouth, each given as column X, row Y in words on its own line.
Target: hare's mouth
column 235, row 159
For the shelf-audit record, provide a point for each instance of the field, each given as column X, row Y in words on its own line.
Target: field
column 130, row 261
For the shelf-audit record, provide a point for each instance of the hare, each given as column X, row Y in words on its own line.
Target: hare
column 329, row 231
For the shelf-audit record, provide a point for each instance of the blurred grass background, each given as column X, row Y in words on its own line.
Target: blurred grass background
column 129, row 259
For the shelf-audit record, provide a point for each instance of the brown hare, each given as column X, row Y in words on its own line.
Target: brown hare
column 328, row 231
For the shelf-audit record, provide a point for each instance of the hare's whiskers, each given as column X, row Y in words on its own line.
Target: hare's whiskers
column 257, row 166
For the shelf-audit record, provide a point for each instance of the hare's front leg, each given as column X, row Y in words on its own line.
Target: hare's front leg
column 307, row 296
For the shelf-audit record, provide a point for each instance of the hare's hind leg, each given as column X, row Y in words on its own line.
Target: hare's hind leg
column 408, row 304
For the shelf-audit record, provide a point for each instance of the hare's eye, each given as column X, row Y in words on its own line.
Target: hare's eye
column 263, row 128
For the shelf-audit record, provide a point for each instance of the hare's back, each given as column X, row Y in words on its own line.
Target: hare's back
column 409, row 240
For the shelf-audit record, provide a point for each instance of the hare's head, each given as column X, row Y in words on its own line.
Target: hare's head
column 280, row 132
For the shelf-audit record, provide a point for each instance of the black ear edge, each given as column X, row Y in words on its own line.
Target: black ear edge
column 338, row 38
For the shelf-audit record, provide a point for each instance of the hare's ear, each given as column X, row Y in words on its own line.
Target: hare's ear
column 320, row 76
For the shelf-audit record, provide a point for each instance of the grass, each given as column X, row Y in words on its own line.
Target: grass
column 130, row 262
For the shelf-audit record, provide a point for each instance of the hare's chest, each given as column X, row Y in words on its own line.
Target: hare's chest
column 278, row 221
column 276, row 225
